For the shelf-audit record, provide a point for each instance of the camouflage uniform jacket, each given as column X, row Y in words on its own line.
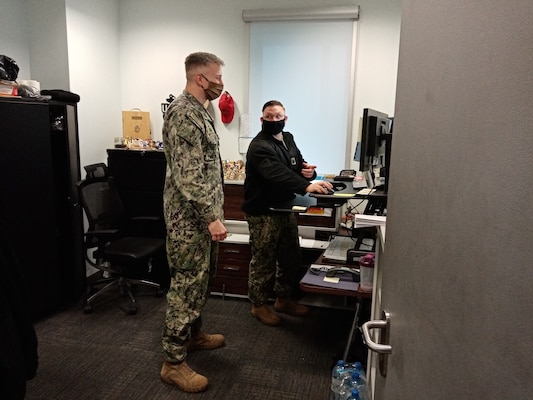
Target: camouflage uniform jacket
column 193, row 195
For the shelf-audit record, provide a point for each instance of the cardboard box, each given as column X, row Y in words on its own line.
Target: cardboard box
column 136, row 124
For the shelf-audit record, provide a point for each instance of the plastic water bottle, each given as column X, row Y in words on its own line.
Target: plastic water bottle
column 354, row 382
column 337, row 374
column 354, row 395
column 359, row 368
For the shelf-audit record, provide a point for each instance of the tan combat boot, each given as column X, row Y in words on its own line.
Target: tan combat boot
column 181, row 376
column 205, row 341
column 288, row 306
column 264, row 314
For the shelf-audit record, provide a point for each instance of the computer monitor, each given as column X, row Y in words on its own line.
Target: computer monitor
column 375, row 145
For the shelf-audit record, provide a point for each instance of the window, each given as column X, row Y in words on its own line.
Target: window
column 308, row 66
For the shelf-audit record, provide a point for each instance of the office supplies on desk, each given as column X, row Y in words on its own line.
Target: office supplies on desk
column 362, row 220
column 335, row 272
column 345, row 283
column 346, row 175
column 359, row 184
column 338, row 248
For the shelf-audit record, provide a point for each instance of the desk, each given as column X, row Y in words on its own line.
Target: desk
column 313, row 283
column 376, row 200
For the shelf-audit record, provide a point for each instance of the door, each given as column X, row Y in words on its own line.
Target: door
column 456, row 270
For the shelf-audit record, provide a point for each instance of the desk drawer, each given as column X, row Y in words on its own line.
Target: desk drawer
column 232, row 269
column 233, row 260
column 234, row 252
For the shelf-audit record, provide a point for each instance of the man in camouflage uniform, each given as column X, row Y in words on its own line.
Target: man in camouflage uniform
column 193, row 199
column 275, row 170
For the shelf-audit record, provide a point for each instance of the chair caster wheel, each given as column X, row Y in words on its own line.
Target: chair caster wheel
column 159, row 293
column 132, row 311
column 87, row 309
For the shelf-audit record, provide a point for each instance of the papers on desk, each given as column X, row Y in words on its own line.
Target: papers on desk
column 366, row 191
column 362, row 220
column 313, row 244
column 320, row 280
column 335, row 194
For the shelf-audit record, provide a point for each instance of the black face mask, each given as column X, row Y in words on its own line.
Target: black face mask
column 273, row 127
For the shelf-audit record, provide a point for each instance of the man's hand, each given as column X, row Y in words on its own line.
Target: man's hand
column 319, row 187
column 217, row 230
column 308, row 170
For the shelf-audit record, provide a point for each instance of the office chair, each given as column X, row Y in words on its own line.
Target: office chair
column 114, row 243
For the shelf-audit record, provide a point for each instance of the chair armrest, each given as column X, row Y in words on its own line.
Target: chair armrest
column 146, row 218
column 104, row 234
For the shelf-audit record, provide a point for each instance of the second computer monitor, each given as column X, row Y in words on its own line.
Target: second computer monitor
column 375, row 145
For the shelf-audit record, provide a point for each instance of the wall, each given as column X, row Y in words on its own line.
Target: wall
column 458, row 251
column 14, row 34
column 157, row 36
column 124, row 54
column 94, row 63
column 48, row 37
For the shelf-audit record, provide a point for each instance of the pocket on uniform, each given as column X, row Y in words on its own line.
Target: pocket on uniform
column 211, row 151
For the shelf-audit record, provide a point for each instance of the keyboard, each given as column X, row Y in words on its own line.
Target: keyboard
column 337, row 248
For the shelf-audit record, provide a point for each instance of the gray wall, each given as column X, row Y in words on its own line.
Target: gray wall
column 460, row 203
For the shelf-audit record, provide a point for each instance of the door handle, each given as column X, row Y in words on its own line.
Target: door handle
column 383, row 348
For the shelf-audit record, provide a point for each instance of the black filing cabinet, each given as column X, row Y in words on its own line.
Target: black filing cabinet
column 39, row 160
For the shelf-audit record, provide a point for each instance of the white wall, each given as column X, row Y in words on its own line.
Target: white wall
column 47, row 29
column 14, row 41
column 125, row 54
column 93, row 45
column 156, row 37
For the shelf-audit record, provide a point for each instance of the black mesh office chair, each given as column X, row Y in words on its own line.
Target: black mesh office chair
column 113, row 242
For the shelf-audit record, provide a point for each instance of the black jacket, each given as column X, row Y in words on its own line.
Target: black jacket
column 273, row 173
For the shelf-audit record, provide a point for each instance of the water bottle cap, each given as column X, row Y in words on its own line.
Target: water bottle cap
column 367, row 260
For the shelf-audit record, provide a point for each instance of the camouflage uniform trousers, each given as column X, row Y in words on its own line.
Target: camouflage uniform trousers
column 192, row 258
column 275, row 255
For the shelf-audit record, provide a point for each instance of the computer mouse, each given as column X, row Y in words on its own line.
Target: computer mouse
column 331, row 191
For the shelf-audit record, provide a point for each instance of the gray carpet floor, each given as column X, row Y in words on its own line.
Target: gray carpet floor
column 111, row 355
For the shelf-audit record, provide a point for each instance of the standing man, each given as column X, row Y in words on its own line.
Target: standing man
column 275, row 170
column 192, row 200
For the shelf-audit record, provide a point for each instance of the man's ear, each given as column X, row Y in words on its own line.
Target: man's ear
column 198, row 79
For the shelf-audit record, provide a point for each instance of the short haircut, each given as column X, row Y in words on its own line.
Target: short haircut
column 200, row 59
column 272, row 103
